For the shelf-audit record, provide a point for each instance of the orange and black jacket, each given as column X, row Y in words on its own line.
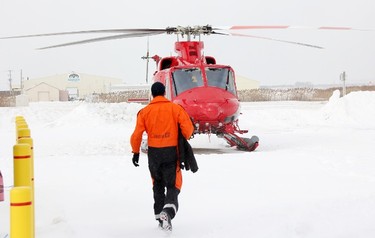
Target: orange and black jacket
column 160, row 120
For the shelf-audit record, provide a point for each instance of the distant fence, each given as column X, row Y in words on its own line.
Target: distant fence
column 253, row 95
column 295, row 94
column 8, row 98
column 126, row 96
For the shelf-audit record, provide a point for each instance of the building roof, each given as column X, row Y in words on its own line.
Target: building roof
column 41, row 84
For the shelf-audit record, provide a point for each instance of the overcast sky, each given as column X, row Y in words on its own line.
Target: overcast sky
column 271, row 63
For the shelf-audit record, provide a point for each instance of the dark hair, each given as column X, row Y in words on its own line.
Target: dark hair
column 157, row 89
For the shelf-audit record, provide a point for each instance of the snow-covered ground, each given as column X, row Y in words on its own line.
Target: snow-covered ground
column 313, row 174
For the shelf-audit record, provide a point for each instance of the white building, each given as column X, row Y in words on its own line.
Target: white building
column 243, row 83
column 44, row 92
column 75, row 85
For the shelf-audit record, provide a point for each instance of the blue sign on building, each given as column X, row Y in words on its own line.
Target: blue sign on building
column 73, row 77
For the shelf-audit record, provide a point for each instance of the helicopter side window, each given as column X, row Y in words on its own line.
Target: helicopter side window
column 230, row 83
column 185, row 79
column 221, row 78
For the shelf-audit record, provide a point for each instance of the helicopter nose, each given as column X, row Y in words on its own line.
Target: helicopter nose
column 211, row 111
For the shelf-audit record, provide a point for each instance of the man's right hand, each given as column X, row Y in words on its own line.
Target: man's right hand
column 135, row 159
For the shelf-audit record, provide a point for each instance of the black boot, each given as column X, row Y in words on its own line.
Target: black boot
column 166, row 223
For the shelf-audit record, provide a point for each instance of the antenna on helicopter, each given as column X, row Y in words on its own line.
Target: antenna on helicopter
column 147, row 57
column 156, row 58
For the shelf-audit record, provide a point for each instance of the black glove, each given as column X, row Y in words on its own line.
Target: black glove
column 135, row 159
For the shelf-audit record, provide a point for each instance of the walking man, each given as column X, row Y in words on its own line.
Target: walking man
column 160, row 119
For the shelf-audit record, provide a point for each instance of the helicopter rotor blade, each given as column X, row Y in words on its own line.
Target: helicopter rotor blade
column 220, row 33
column 268, row 27
column 232, row 29
column 108, row 31
column 283, row 41
column 115, row 37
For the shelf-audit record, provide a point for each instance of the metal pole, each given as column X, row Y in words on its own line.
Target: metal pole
column 343, row 79
column 21, row 85
column 148, row 58
column 10, row 80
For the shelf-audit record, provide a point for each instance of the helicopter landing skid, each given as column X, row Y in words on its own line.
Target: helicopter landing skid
column 242, row 143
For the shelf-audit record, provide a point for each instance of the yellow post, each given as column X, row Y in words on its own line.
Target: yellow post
column 22, row 128
column 21, row 124
column 23, row 133
column 29, row 141
column 20, row 213
column 19, row 118
column 22, row 165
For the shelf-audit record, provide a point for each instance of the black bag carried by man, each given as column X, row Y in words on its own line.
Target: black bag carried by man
column 186, row 154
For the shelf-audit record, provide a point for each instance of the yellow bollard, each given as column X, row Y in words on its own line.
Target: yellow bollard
column 21, row 124
column 20, row 213
column 29, row 141
column 19, row 118
column 23, row 133
column 22, row 165
column 22, row 127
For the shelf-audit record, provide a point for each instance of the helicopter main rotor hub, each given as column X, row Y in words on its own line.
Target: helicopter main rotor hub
column 190, row 31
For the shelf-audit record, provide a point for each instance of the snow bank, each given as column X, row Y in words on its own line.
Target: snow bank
column 356, row 108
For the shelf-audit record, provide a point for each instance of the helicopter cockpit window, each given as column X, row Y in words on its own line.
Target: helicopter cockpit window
column 221, row 78
column 185, row 79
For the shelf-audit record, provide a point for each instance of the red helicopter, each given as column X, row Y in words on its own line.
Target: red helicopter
column 205, row 89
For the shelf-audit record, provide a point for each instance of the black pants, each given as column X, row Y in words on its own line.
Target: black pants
column 162, row 163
